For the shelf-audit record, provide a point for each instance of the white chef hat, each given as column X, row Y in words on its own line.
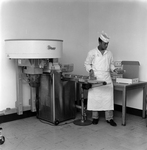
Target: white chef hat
column 104, row 37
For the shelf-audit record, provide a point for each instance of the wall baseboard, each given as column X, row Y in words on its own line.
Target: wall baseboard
column 15, row 116
column 129, row 110
column 29, row 113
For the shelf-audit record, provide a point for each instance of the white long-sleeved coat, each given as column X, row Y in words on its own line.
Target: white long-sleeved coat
column 100, row 98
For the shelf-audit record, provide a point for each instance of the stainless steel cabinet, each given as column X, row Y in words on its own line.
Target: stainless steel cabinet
column 56, row 98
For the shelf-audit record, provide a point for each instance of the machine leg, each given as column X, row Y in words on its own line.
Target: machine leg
column 83, row 121
column 19, row 102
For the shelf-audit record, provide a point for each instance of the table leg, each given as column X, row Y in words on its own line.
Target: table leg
column 144, row 102
column 124, row 106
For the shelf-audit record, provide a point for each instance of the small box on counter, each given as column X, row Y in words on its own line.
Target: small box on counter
column 117, row 63
column 128, row 81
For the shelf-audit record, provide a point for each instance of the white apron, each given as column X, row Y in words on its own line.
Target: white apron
column 101, row 98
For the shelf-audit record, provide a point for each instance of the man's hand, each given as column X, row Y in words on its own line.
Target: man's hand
column 119, row 71
column 91, row 73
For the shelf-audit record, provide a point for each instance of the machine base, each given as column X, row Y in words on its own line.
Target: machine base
column 82, row 123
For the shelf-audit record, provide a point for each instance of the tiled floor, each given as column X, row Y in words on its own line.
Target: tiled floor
column 32, row 134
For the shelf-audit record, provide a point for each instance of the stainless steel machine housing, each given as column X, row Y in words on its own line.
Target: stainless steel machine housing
column 56, row 98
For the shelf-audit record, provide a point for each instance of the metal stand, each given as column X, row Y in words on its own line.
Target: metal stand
column 83, row 121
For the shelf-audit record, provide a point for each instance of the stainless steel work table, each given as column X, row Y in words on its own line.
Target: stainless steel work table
column 124, row 88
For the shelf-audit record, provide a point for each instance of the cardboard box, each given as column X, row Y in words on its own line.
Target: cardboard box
column 126, row 80
column 131, row 69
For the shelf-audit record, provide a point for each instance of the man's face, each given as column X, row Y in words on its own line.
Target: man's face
column 104, row 45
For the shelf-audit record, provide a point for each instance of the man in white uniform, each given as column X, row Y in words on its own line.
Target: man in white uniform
column 99, row 63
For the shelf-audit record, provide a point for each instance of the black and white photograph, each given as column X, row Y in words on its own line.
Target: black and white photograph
column 73, row 75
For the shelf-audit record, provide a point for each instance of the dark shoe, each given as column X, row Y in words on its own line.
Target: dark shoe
column 111, row 122
column 95, row 121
